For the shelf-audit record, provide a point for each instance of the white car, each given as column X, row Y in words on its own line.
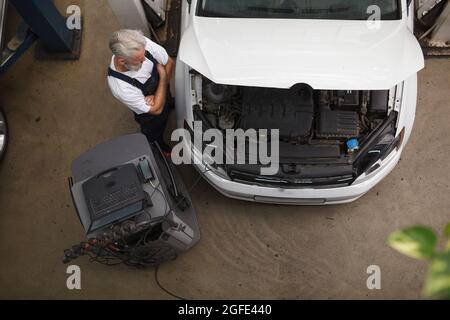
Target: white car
column 339, row 84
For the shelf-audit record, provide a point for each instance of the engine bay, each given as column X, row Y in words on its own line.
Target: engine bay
column 321, row 131
column 304, row 116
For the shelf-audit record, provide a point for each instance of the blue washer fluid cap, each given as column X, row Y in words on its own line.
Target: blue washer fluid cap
column 352, row 144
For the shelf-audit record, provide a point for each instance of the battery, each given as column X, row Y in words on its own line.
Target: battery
column 338, row 124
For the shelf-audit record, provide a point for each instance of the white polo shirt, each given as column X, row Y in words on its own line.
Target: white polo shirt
column 129, row 95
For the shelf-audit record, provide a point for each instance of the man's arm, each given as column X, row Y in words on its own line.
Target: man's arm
column 162, row 57
column 170, row 66
column 159, row 99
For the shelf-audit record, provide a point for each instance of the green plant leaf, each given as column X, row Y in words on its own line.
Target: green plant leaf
column 437, row 285
column 416, row 242
column 447, row 230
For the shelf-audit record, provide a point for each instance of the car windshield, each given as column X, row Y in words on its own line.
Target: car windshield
column 301, row 9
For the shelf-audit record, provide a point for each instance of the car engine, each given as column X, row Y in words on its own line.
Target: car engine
column 290, row 111
column 320, row 131
column 300, row 113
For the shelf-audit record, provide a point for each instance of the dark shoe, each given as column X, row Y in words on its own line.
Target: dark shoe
column 167, row 155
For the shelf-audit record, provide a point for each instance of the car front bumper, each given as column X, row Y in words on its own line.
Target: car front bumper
column 300, row 196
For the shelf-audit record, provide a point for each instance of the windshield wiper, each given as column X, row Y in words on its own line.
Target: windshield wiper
column 212, row 14
column 326, row 10
column 271, row 10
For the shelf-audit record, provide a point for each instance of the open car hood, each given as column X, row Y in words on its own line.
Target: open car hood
column 278, row 53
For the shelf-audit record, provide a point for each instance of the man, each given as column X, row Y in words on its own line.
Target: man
column 139, row 76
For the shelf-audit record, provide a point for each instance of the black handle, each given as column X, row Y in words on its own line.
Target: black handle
column 106, row 171
column 168, row 169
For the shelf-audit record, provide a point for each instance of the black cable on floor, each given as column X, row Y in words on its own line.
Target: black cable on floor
column 157, row 267
column 164, row 289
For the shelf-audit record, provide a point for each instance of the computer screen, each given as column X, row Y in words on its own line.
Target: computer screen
column 114, row 195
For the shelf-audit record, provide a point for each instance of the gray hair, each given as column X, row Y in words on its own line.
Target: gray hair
column 125, row 43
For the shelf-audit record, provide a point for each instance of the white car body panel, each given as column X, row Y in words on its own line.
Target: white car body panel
column 279, row 53
column 328, row 55
column 300, row 196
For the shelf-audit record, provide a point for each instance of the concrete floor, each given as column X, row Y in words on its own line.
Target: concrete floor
column 57, row 110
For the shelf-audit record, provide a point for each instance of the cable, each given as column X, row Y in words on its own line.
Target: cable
column 164, row 289
column 163, row 195
column 121, row 255
column 193, row 186
column 155, row 188
column 198, row 180
column 157, row 267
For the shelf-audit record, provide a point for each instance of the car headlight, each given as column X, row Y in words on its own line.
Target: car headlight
column 207, row 162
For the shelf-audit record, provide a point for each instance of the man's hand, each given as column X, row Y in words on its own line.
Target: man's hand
column 150, row 101
column 159, row 99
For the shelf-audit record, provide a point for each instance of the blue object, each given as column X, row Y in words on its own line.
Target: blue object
column 42, row 21
column 45, row 21
column 352, row 144
column 26, row 37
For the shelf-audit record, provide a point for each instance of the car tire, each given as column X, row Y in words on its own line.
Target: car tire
column 4, row 136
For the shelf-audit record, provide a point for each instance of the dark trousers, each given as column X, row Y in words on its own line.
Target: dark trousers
column 153, row 126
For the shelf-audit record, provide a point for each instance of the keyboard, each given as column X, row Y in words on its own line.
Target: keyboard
column 113, row 200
